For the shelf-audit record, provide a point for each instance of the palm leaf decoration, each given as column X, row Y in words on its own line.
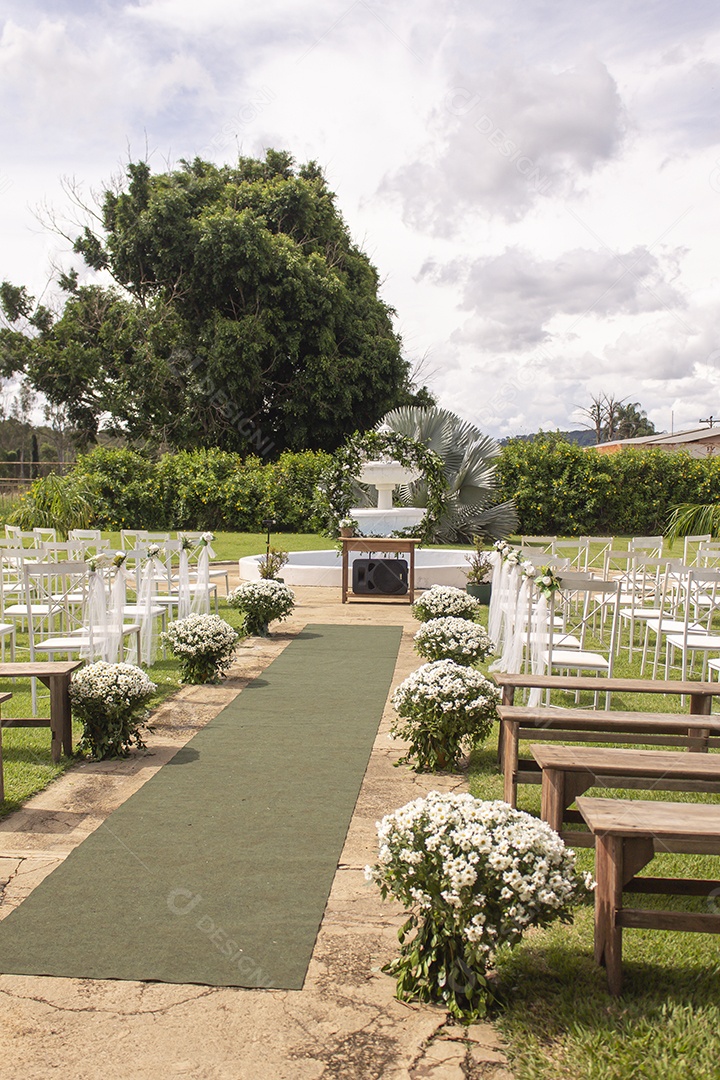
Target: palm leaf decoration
column 469, row 460
column 690, row 519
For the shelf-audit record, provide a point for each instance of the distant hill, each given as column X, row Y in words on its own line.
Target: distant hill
column 583, row 437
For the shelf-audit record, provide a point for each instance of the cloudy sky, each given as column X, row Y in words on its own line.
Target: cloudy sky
column 538, row 184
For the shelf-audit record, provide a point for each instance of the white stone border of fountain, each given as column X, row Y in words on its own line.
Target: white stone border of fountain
column 443, row 567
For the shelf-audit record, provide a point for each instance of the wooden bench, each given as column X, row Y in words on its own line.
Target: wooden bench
column 700, row 693
column 3, row 697
column 627, row 833
column 568, row 771
column 693, row 732
column 56, row 676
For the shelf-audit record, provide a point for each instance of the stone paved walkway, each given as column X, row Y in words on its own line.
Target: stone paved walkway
column 345, row 1022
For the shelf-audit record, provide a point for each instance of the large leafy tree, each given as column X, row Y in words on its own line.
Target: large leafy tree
column 241, row 310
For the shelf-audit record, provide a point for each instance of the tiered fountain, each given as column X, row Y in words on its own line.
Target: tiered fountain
column 386, row 519
column 325, row 567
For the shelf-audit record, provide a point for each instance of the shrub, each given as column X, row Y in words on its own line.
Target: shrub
column 111, row 701
column 449, row 638
column 441, row 600
column 442, row 707
column 56, row 502
column 474, row 876
column 262, row 602
column 204, row 646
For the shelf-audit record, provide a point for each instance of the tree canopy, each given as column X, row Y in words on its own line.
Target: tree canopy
column 242, row 315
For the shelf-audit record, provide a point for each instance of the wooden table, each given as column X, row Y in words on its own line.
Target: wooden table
column 56, row 676
column 568, row 771
column 628, row 832
column 3, row 697
column 370, row 544
column 696, row 732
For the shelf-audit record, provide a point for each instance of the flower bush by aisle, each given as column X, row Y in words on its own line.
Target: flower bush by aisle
column 111, row 701
column 262, row 603
column 204, row 646
column 474, row 876
column 450, row 638
column 441, row 600
column 441, row 707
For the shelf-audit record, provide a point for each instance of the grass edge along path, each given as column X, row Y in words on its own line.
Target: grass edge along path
column 218, row 870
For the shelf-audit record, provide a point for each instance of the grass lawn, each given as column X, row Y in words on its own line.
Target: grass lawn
column 558, row 1018
column 28, row 765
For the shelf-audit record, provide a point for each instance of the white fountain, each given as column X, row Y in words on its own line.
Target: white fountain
column 386, row 518
column 432, row 567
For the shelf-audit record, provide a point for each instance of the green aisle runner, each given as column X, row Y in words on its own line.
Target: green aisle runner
column 218, row 870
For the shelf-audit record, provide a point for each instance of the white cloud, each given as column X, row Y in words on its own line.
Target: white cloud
column 506, row 139
column 538, row 186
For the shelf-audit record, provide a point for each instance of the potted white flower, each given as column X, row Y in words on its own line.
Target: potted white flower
column 347, row 526
column 473, row 876
column 111, row 701
column 262, row 602
column 443, row 708
column 204, row 646
column 449, row 638
column 441, row 600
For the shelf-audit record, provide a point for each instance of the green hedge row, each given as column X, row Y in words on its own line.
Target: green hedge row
column 201, row 489
column 562, row 489
column 558, row 488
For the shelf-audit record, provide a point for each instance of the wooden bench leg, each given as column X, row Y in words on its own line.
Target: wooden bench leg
column 552, row 807
column 510, row 760
column 60, row 716
column 608, row 901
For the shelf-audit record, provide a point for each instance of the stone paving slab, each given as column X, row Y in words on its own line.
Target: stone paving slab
column 345, row 1022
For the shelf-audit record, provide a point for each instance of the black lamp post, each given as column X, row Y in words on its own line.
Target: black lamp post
column 267, row 524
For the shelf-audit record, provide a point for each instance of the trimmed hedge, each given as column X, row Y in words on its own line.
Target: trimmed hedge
column 202, row 489
column 558, row 487
column 561, row 489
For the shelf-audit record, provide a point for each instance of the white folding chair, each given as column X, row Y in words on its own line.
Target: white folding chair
column 586, row 599
column 703, row 592
column 546, row 544
column 690, row 556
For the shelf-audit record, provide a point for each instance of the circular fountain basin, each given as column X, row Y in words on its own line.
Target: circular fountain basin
column 445, row 567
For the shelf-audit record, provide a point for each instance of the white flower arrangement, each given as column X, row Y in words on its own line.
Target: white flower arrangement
column 110, row 699
column 474, row 875
column 441, row 707
column 547, row 581
column 442, row 600
column 207, row 538
column 262, row 603
column 449, row 638
column 347, row 523
column 204, row 645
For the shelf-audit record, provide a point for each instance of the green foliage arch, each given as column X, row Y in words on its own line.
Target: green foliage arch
column 338, row 484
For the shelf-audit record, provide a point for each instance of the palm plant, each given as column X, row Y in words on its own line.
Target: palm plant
column 469, row 460
column 689, row 519
column 59, row 502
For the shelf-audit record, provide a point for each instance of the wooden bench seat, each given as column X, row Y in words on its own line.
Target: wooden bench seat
column 695, row 733
column 700, row 693
column 568, row 771
column 627, row 833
